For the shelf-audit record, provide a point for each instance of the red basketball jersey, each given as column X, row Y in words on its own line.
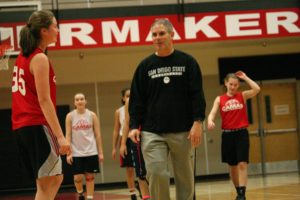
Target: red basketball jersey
column 26, row 110
column 233, row 112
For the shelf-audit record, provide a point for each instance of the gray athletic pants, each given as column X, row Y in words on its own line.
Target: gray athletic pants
column 156, row 149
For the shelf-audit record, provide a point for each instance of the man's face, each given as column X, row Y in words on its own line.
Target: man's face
column 161, row 38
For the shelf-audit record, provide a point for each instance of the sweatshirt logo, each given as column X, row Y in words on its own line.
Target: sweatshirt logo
column 81, row 125
column 167, row 71
column 232, row 104
column 166, row 80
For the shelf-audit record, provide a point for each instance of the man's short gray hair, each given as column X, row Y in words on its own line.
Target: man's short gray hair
column 165, row 22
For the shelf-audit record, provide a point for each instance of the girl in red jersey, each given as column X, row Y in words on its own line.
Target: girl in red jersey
column 235, row 138
column 39, row 135
column 83, row 132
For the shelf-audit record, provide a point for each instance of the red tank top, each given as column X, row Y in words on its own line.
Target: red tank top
column 233, row 112
column 26, row 110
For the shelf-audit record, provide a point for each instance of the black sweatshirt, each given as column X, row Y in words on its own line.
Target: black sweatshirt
column 166, row 94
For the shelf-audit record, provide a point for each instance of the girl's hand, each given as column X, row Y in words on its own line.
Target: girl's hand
column 123, row 150
column 69, row 159
column 100, row 157
column 240, row 74
column 114, row 153
column 210, row 125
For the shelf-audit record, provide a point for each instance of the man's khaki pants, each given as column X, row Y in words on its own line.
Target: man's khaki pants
column 156, row 148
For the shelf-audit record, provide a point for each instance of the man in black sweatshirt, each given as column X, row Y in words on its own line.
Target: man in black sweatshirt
column 167, row 107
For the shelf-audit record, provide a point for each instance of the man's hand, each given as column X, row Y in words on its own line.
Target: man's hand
column 195, row 134
column 135, row 135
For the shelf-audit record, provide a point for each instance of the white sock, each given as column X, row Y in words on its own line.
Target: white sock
column 132, row 191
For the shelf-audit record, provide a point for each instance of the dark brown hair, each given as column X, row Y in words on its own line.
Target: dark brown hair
column 30, row 35
column 123, row 92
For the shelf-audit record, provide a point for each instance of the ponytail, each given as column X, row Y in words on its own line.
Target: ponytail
column 28, row 42
column 30, row 35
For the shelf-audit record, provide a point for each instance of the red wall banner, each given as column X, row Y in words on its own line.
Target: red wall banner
column 196, row 27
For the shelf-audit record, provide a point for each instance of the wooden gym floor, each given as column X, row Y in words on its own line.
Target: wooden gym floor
column 285, row 186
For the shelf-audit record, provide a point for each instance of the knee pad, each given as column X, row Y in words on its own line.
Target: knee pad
column 89, row 178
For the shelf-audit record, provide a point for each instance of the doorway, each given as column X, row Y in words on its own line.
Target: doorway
column 274, row 144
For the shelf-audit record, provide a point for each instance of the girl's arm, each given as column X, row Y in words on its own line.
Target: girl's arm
column 212, row 114
column 98, row 136
column 69, row 136
column 123, row 148
column 39, row 67
column 247, row 94
column 115, row 138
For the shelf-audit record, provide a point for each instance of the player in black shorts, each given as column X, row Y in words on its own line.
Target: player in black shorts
column 126, row 160
column 138, row 160
column 34, row 119
column 83, row 132
column 137, row 157
column 235, row 137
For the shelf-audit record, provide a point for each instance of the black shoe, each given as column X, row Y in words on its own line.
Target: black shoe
column 239, row 197
column 133, row 197
column 81, row 197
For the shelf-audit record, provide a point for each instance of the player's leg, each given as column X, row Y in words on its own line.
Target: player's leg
column 130, row 180
column 242, row 159
column 78, row 171
column 143, row 184
column 47, row 187
column 155, row 152
column 40, row 155
column 91, row 167
column 78, row 182
column 229, row 155
column 234, row 174
column 90, row 185
column 127, row 163
column 242, row 169
column 130, row 170
column 243, row 173
column 182, row 157
column 140, row 169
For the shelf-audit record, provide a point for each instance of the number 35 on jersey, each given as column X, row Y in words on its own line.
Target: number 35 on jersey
column 18, row 83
